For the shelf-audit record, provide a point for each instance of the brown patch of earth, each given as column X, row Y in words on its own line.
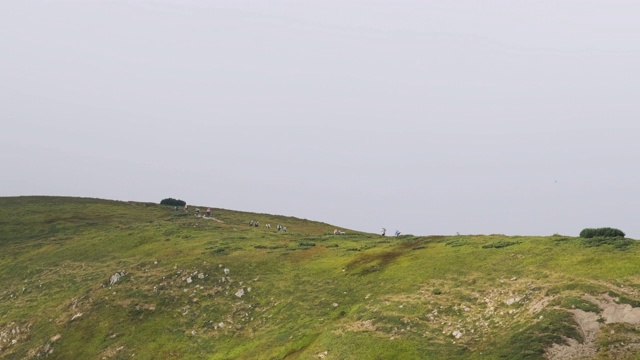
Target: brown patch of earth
column 589, row 326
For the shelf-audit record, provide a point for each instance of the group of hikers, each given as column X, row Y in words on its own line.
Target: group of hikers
column 384, row 232
column 279, row 227
column 207, row 213
column 268, row 226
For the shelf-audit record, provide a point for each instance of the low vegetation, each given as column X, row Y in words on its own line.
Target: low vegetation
column 97, row 279
column 601, row 232
column 172, row 202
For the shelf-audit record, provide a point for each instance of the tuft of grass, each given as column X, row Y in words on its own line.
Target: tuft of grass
column 499, row 244
column 530, row 341
column 456, row 242
column 572, row 302
column 573, row 287
column 620, row 243
column 621, row 299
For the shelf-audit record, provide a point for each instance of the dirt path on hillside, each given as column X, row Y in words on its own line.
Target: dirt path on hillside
column 589, row 326
column 210, row 218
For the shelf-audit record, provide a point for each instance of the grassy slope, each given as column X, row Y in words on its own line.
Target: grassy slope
column 357, row 296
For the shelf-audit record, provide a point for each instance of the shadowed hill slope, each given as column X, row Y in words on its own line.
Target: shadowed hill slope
column 97, row 279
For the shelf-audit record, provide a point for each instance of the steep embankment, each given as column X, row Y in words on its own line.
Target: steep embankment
column 94, row 279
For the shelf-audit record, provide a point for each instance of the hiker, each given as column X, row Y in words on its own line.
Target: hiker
column 175, row 208
column 335, row 232
column 278, row 227
column 268, row 226
column 186, row 208
column 284, row 228
column 397, row 233
column 251, row 223
column 256, row 224
column 197, row 211
column 384, row 231
column 208, row 212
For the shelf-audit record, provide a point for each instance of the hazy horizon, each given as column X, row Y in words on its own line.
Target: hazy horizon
column 517, row 118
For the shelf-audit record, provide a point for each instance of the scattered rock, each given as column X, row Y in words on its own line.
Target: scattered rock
column 116, row 277
column 457, row 334
column 201, row 276
column 226, row 271
column 512, row 301
column 189, row 280
column 240, row 293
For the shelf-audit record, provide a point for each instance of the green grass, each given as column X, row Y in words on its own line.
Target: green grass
column 621, row 299
column 620, row 243
column 572, row 302
column 306, row 292
column 530, row 341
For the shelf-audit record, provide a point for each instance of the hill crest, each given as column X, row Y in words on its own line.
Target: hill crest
column 92, row 278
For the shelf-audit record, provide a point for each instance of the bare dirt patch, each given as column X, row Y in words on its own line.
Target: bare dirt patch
column 589, row 324
column 360, row 326
column 616, row 313
column 537, row 305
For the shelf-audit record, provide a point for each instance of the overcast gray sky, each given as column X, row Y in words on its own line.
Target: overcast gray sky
column 430, row 117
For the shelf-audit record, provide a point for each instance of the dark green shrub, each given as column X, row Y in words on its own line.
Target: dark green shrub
column 601, row 232
column 172, row 202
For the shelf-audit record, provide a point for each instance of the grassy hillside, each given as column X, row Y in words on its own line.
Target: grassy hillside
column 198, row 288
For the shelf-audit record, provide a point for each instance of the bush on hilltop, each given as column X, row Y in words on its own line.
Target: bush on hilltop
column 601, row 232
column 172, row 202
